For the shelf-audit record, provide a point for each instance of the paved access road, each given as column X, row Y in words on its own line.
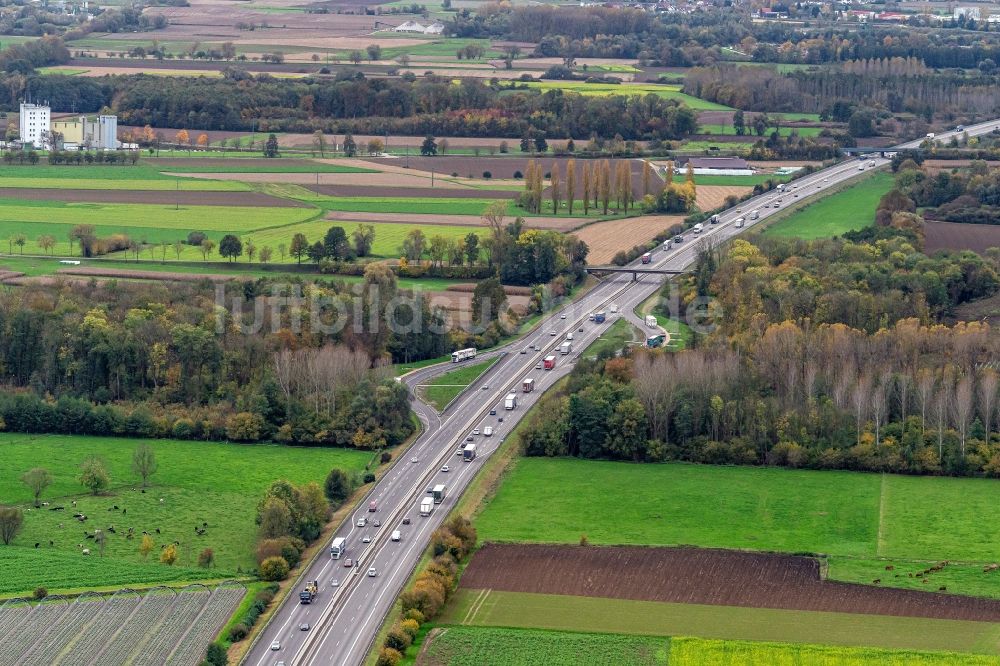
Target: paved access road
column 345, row 618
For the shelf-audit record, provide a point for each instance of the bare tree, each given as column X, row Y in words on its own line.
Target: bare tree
column 860, row 397
column 962, row 407
column 942, row 403
column 881, row 389
column 925, row 393
column 988, row 384
column 37, row 479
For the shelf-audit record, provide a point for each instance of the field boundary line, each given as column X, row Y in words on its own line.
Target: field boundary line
column 880, row 538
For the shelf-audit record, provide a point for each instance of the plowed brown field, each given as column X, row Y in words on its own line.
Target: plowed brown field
column 711, row 197
column 164, row 197
column 959, row 236
column 703, row 576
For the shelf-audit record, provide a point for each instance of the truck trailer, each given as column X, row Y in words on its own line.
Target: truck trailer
column 469, row 453
column 651, row 321
column 549, row 362
column 426, row 506
column 309, row 592
column 565, row 347
column 338, row 547
column 510, row 402
column 438, row 492
column 646, row 258
column 528, row 385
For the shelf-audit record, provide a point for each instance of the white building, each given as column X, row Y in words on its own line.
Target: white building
column 34, row 125
column 967, row 12
column 435, row 28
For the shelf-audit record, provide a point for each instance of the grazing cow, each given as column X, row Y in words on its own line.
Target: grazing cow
column 157, row 530
column 876, row 581
column 86, row 551
column 37, row 544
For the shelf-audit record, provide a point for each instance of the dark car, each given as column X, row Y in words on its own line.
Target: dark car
column 406, row 521
column 493, row 412
column 678, row 239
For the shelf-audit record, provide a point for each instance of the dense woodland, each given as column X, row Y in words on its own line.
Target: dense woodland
column 353, row 103
column 829, row 354
column 683, row 40
column 157, row 361
column 895, row 86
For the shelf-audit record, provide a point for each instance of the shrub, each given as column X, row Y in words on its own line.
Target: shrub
column 291, row 554
column 196, row 238
column 388, row 657
column 487, row 175
column 40, row 593
column 244, row 427
column 206, row 558
column 411, row 627
column 518, row 174
column 238, row 632
column 397, row 639
column 386, row 458
column 415, row 615
column 183, row 428
column 369, row 477
column 216, row 655
column 274, row 568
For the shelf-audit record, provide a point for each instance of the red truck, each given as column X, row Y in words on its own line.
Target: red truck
column 549, row 362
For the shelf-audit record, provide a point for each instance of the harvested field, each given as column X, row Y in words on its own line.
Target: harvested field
column 959, row 236
column 146, row 275
column 159, row 197
column 341, row 190
column 510, row 290
column 554, row 223
column 606, row 238
column 710, row 197
column 461, row 302
column 703, row 576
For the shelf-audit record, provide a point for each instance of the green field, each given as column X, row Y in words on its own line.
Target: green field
column 629, row 89
column 17, row 216
column 850, row 209
column 279, row 166
column 471, row 646
column 861, row 521
column 198, row 482
column 474, row 646
column 782, row 131
column 596, row 614
column 614, row 339
column 748, row 181
column 443, row 389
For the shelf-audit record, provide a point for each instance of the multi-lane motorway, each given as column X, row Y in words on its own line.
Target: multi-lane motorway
column 346, row 616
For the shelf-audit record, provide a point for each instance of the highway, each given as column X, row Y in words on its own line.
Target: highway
column 344, row 619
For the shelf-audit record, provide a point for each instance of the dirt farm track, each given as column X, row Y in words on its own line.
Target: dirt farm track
column 703, row 576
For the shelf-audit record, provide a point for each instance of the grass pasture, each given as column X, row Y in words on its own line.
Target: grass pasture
column 443, row 389
column 856, row 519
column 850, row 209
column 595, row 614
column 198, row 482
column 629, row 89
column 37, row 217
column 729, row 130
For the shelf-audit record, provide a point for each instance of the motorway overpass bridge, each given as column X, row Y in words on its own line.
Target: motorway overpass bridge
column 635, row 271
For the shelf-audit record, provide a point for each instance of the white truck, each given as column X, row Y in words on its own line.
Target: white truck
column 510, row 402
column 613, row 308
column 426, row 506
column 469, row 453
column 698, row 228
column 338, row 547
column 395, row 535
column 651, row 321
column 565, row 347
column 488, row 431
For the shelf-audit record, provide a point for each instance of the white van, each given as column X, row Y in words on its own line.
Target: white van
column 395, row 535
column 569, row 336
column 698, row 228
column 488, row 431
column 739, row 223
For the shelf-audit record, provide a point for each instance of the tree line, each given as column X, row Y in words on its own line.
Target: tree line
column 350, row 102
column 927, row 95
